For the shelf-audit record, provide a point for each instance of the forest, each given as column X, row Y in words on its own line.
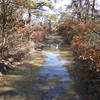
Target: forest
column 49, row 49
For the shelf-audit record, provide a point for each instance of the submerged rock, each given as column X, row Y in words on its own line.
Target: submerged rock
column 4, row 68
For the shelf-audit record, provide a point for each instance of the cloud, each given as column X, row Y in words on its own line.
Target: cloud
column 61, row 3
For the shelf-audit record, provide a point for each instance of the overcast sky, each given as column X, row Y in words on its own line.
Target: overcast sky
column 61, row 3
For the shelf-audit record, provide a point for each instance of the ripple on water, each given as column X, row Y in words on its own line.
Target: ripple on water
column 55, row 76
column 53, row 66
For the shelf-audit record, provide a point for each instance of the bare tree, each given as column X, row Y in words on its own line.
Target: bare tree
column 3, row 14
column 93, row 9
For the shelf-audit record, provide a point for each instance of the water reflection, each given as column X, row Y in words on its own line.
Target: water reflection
column 53, row 66
column 54, row 79
column 55, row 71
column 87, row 83
column 44, row 75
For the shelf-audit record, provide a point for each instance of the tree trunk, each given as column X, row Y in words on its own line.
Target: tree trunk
column 87, row 10
column 49, row 25
column 93, row 8
column 3, row 11
column 80, row 1
column 29, row 15
column 55, row 1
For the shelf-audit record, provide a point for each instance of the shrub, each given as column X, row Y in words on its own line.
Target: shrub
column 64, row 29
column 86, row 50
column 82, row 27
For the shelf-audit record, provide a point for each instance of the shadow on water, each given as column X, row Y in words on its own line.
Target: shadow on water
column 19, row 83
column 42, row 76
column 47, row 75
column 87, row 81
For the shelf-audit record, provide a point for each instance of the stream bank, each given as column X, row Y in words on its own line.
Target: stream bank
column 48, row 74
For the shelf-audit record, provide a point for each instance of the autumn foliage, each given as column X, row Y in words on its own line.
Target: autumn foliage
column 35, row 31
column 39, row 33
column 87, row 26
column 82, row 27
column 64, row 29
column 85, row 49
column 84, row 40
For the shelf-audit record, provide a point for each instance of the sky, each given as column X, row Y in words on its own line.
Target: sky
column 61, row 3
column 98, row 4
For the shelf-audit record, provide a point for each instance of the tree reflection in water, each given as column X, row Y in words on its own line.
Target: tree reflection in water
column 87, row 81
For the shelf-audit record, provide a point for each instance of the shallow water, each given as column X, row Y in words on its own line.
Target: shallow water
column 43, row 75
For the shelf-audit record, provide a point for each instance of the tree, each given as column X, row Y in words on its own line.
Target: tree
column 93, row 9
column 11, row 14
column 84, row 9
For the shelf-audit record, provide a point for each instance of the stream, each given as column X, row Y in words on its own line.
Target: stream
column 43, row 75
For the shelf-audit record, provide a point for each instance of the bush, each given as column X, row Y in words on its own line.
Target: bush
column 86, row 49
column 64, row 29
